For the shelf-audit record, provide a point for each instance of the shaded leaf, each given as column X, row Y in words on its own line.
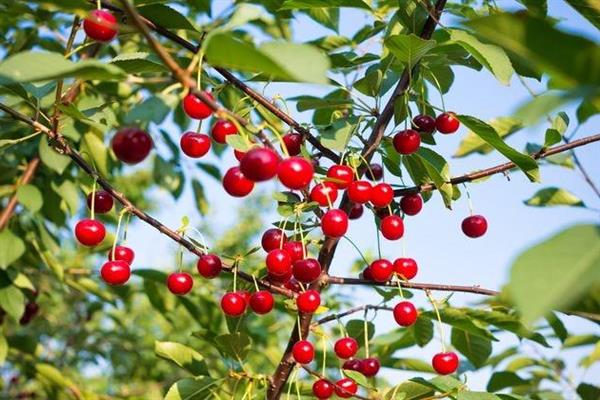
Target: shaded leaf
column 554, row 197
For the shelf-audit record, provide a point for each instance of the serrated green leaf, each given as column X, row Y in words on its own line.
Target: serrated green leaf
column 409, row 48
column 422, row 331
column 554, row 197
column 137, row 63
column 165, row 16
column 476, row 349
column 337, row 136
column 191, row 389
column 234, row 345
column 182, row 355
column 357, row 377
column 472, row 143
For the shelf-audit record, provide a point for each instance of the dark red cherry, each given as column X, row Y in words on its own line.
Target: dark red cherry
column 381, row 270
column 31, row 310
column 411, row 204
column 239, row 154
column 306, row 271
column 194, row 144
column 322, row 389
column 407, row 141
column 366, row 274
column 356, row 211
column 261, row 302
column 259, row 164
column 341, row 175
column 375, row 172
column 303, row 352
column 278, row 279
column 100, row 25
column 392, row 227
column 121, row 253
column 334, row 223
column 293, row 143
column 90, row 232
column 308, row 302
column 405, row 313
column 369, row 367
column 221, row 129
column 359, row 191
column 424, row 123
column 180, row 283
column 352, row 365
column 131, row 145
column 196, row 108
column 382, row 195
column 295, row 250
column 236, row 184
column 233, row 304
column 103, row 202
column 115, row 272
column 346, row 388
column 293, row 285
column 447, row 123
column 278, row 262
column 474, row 226
column 295, row 172
column 345, row 347
column 272, row 239
column 323, row 191
column 406, row 268
column 445, row 363
column 209, row 266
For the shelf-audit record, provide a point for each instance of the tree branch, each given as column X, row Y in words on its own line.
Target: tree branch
column 27, row 176
column 350, row 311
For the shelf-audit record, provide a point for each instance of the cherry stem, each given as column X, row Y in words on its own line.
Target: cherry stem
column 114, row 246
column 301, row 236
column 99, row 4
column 400, row 290
column 235, row 265
column 299, row 327
column 324, row 345
column 93, row 207
column 357, row 249
column 469, row 201
column 437, row 313
column 180, row 256
column 342, row 327
column 279, row 138
column 255, row 283
column 378, row 240
column 367, row 164
column 439, row 88
column 281, row 226
column 126, row 227
column 204, row 246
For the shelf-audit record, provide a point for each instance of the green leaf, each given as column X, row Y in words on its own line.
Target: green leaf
column 95, row 148
column 155, row 109
column 409, row 48
column 182, row 355
column 357, row 377
column 408, row 391
column 168, row 175
column 137, row 63
column 552, row 137
column 591, row 358
column 55, row 377
column 200, row 197
column 12, row 299
column 588, row 392
column 337, row 136
column 211, row 169
column 553, row 196
column 30, row 197
column 191, row 389
column 234, row 345
column 52, row 159
column 460, row 319
column 476, row 349
column 587, row 109
column 504, row 379
column 68, row 192
column 590, row 10
column 165, row 16
column 406, row 364
column 443, row 384
column 472, row 143
column 422, row 331
column 580, row 340
column 304, row 103
column 12, row 248
column 328, row 17
column 465, row 395
column 356, row 330
column 3, row 349
column 307, row 4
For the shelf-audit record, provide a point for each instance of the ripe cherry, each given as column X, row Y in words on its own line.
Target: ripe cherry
column 424, row 123
column 245, row 295
column 445, row 363
column 280, row 278
column 239, row 154
column 366, row 274
column 295, row 250
column 209, row 266
column 341, row 175
column 121, row 253
column 474, row 226
column 306, row 271
column 369, row 367
column 303, row 352
column 352, row 365
column 356, row 211
column 406, row 268
column 323, row 389
column 293, row 143
column 261, row 302
column 115, row 272
column 295, row 172
column 236, row 184
column 382, row 195
column 272, row 239
column 180, row 283
column 196, row 108
column 194, row 144
column 293, row 285
column 100, row 25
column 324, row 191
column 308, row 302
column 447, row 123
column 334, row 223
column 411, row 204
column 103, row 202
column 407, row 141
column 31, row 310
column 345, row 347
column 279, row 262
column 375, row 172
column 221, row 129
column 381, row 270
column 259, row 164
column 131, row 145
column 392, row 227
column 90, row 232
column 359, row 191
column 233, row 304
column 405, row 313
column 346, row 388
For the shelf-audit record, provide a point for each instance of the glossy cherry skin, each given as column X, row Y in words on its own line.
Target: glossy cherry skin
column 209, row 266
column 334, row 223
column 180, row 283
column 345, row 347
column 196, row 108
column 407, row 142
column 236, row 184
column 392, row 227
column 359, row 191
column 90, row 232
column 194, row 144
column 100, row 25
column 366, row 274
column 293, row 143
column 411, row 204
column 324, row 191
column 272, row 239
column 221, row 129
column 322, row 389
column 369, row 367
column 346, row 388
column 356, row 211
column 245, row 295
column 424, row 123
column 131, row 145
column 233, row 304
column 308, row 302
column 405, row 313
column 447, row 123
column 261, row 302
column 382, row 195
column 280, row 278
column 239, row 154
column 295, row 172
column 303, row 352
column 121, row 253
column 115, row 272
column 279, row 262
column 381, row 270
column 406, row 268
column 306, row 271
column 474, row 226
column 445, row 363
column 375, row 172
column 259, row 164
column 342, row 174
column 103, row 202
column 352, row 365
column 295, row 250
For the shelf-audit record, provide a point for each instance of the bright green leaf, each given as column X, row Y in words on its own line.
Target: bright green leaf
column 12, row 248
column 182, row 355
column 31, row 197
column 554, row 197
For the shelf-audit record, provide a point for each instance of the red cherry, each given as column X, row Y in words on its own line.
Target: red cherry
column 334, row 223
column 447, row 123
column 293, row 285
column 375, row 172
column 359, row 191
column 424, row 123
column 131, row 145
column 236, row 184
column 445, row 363
column 322, row 389
column 356, row 211
column 273, row 239
column 342, row 174
column 411, row 204
column 121, row 253
column 100, row 25
column 306, row 271
column 369, row 367
column 382, row 212
column 366, row 274
column 279, row 262
column 381, row 270
column 322, row 191
column 352, row 365
column 115, row 272
column 293, row 143
column 259, row 164
column 303, row 352
column 406, row 268
column 392, row 227
column 196, row 108
column 308, row 302
column 90, row 232
column 382, row 195
column 239, row 154
column 474, row 226
column 31, row 310
column 245, row 295
column 278, row 279
column 194, row 144
column 407, row 142
column 103, row 202
column 345, row 347
column 261, row 302
column 209, row 266
column 233, row 304
column 405, row 313
column 180, row 283
column 295, row 250
column 295, row 172
column 221, row 129
column 346, row 388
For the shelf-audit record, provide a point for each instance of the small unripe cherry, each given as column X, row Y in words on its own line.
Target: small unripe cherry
column 445, row 363
column 375, row 172
column 308, row 301
column 121, row 253
column 221, row 129
column 303, row 352
column 209, row 266
column 131, row 145
column 103, row 202
column 411, row 204
column 356, row 211
column 474, row 226
column 295, row 250
column 233, row 304
column 334, row 223
column 392, row 227
column 359, row 191
column 406, row 268
column 346, row 388
column 293, row 143
column 115, row 272
column 369, row 367
column 259, row 164
column 447, row 123
column 90, row 232
column 278, row 262
column 196, row 108
column 407, row 141
column 324, row 193
column 180, row 283
column 272, row 239
column 382, row 195
column 322, row 389
column 194, row 144
column 381, row 270
column 295, row 172
column 345, row 347
column 100, row 25
column 405, row 313
column 424, row 123
column 307, row 270
column 341, row 175
column 236, row 184
column 261, row 302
